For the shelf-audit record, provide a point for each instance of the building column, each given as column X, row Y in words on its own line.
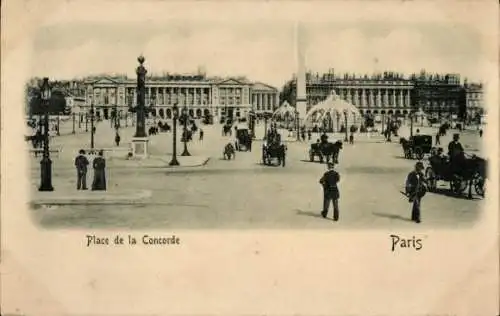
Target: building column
column 394, row 98
column 386, row 97
column 363, row 97
column 401, row 103
column 408, row 104
column 349, row 95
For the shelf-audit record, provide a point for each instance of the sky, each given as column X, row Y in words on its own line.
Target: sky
column 262, row 49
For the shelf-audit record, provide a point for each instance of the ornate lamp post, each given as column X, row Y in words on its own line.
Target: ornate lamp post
column 185, row 131
column 252, row 122
column 338, row 121
column 86, row 122
column 175, row 113
column 73, row 114
column 117, row 119
column 152, row 108
column 92, row 125
column 46, row 163
column 345, row 120
column 297, row 125
column 411, row 123
column 141, row 72
column 57, row 132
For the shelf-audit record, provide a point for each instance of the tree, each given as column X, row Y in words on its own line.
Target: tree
column 57, row 103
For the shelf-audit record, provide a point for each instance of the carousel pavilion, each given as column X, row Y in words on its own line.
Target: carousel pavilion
column 332, row 113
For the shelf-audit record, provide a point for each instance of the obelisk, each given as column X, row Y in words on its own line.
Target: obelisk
column 301, row 96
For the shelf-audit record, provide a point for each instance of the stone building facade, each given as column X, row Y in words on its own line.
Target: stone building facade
column 220, row 97
column 388, row 93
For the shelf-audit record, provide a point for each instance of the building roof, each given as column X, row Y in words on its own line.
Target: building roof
column 263, row 87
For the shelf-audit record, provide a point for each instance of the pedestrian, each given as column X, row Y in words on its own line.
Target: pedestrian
column 329, row 181
column 309, row 135
column 117, row 140
column 438, row 136
column 415, row 190
column 201, row 134
column 94, row 129
column 480, row 133
column 351, row 139
column 81, row 163
column 99, row 164
column 303, row 134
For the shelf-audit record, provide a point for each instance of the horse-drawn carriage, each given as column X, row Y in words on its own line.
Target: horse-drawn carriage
column 273, row 150
column 464, row 171
column 325, row 150
column 417, row 146
column 243, row 140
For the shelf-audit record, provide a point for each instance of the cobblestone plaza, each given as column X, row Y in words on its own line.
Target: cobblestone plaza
column 209, row 192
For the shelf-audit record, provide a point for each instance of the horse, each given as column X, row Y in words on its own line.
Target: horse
column 326, row 150
column 274, row 150
column 405, row 143
column 229, row 152
column 226, row 129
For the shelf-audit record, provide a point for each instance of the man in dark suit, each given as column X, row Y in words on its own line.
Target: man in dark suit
column 81, row 163
column 455, row 147
column 329, row 181
column 456, row 153
column 415, row 190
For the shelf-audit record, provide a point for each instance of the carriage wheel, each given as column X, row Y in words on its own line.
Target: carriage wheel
column 311, row 156
column 478, row 182
column 283, row 161
column 458, row 186
column 419, row 153
column 430, row 176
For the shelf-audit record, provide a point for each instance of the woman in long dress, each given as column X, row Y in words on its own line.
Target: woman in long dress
column 99, row 164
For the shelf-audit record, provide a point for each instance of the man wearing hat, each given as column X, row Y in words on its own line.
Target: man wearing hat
column 454, row 147
column 415, row 190
column 455, row 152
column 329, row 181
column 81, row 163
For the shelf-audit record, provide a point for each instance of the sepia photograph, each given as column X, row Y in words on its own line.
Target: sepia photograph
column 249, row 158
column 270, row 127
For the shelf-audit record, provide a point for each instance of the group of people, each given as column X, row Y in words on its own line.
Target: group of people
column 415, row 187
column 99, row 166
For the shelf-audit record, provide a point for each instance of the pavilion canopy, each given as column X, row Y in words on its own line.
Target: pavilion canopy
column 285, row 110
column 333, row 106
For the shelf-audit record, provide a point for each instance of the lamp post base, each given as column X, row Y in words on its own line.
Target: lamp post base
column 185, row 152
column 46, row 175
column 140, row 147
column 174, row 162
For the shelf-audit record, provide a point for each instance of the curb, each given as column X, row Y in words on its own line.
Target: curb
column 166, row 166
column 100, row 199
column 203, row 163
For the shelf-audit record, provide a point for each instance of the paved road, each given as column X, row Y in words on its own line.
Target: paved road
column 243, row 194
